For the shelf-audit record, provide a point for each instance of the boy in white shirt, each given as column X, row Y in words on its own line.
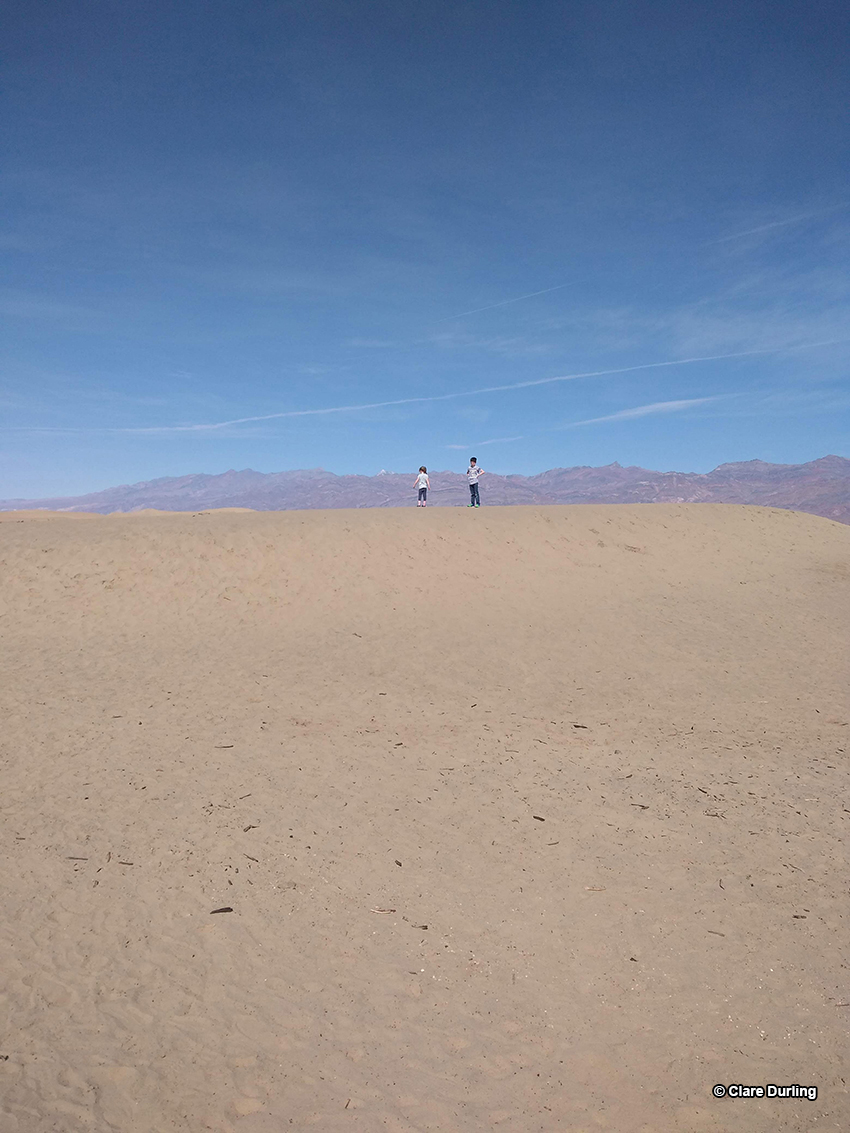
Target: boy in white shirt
column 473, row 473
column 423, row 484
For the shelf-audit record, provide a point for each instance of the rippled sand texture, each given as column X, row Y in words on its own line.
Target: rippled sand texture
column 529, row 819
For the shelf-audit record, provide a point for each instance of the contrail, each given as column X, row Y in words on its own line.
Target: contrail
column 779, row 223
column 473, row 392
column 504, row 302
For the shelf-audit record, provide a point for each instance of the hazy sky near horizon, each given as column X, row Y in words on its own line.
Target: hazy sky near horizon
column 372, row 235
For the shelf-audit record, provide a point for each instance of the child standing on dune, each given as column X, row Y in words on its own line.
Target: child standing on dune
column 472, row 476
column 423, row 484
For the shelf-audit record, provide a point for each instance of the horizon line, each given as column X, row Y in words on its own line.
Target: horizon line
column 442, row 472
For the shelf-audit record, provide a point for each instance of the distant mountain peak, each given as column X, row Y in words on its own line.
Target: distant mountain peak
column 840, row 463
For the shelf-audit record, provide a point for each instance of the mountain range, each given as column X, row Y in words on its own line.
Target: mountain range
column 821, row 487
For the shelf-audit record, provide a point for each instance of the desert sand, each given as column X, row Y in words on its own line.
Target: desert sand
column 528, row 819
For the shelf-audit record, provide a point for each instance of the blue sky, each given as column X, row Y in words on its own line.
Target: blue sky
column 550, row 234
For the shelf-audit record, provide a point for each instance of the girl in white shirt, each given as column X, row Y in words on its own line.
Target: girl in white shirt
column 423, row 484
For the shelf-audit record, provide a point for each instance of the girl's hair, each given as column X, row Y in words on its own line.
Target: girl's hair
column 422, row 468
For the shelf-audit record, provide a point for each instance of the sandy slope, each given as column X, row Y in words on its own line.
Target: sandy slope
column 529, row 819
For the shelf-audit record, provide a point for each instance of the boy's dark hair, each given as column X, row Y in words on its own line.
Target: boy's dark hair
column 473, row 460
column 422, row 468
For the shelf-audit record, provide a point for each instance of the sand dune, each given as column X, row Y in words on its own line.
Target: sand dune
column 529, row 819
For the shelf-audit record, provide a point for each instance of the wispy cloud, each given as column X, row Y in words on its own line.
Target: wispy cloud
column 622, row 415
column 769, row 307
column 739, row 322
column 779, row 223
column 481, row 444
column 510, row 346
column 646, row 410
column 22, row 306
column 505, row 302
